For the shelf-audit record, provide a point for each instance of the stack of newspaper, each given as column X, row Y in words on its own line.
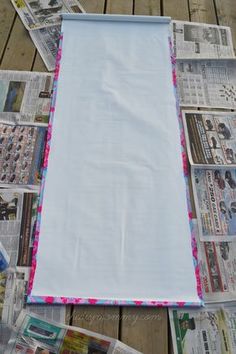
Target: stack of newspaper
column 206, row 86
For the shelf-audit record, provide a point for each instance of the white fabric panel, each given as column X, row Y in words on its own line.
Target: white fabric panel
column 115, row 220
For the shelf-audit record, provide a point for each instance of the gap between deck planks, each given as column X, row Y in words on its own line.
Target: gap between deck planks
column 146, row 329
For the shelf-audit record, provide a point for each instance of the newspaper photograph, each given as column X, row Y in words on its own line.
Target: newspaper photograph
column 208, row 330
column 40, row 13
column 21, row 154
column 33, row 334
column 201, row 40
column 46, row 40
column 215, row 200
column 207, row 83
column 210, row 137
column 25, row 97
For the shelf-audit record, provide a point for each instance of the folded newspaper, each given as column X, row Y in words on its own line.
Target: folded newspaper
column 41, row 13
column 33, row 335
column 25, row 96
column 13, row 287
column 201, row 40
column 217, row 269
column 211, row 147
column 208, row 330
column 21, row 152
column 207, row 83
column 42, row 19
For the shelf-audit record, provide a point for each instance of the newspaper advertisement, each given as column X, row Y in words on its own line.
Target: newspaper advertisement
column 215, row 200
column 25, row 97
column 217, row 262
column 218, row 271
column 33, row 334
column 207, row 83
column 21, row 154
column 46, row 41
column 201, row 40
column 40, row 13
column 211, row 137
column 203, row 331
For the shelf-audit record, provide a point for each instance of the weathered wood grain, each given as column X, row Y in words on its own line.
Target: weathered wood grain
column 101, row 319
column 20, row 50
column 7, row 16
column 147, row 7
column 145, row 329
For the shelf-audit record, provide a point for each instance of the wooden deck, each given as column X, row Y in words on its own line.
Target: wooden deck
column 146, row 329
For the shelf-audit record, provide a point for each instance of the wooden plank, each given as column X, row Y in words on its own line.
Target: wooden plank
column 145, row 329
column 124, row 7
column 69, row 314
column 101, row 319
column 39, row 64
column 147, row 7
column 202, row 11
column 20, row 51
column 94, row 6
column 226, row 14
column 7, row 15
column 178, row 9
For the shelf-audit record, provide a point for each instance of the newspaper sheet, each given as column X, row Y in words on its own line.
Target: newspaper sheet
column 215, row 200
column 46, row 41
column 204, row 331
column 18, row 211
column 218, row 271
column 201, row 40
column 25, row 96
column 207, row 83
column 41, row 336
column 40, row 13
column 211, row 138
column 217, row 262
column 13, row 287
column 21, row 154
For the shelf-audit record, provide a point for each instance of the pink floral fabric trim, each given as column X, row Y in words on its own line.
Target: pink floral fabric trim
column 95, row 301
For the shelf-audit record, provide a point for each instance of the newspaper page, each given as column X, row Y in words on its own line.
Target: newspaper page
column 201, row 40
column 46, row 41
column 207, row 83
column 35, row 333
column 40, row 13
column 215, row 200
column 210, row 137
column 27, row 230
column 21, row 154
column 11, row 205
column 25, row 97
column 218, row 271
column 18, row 212
column 203, row 331
column 13, row 287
